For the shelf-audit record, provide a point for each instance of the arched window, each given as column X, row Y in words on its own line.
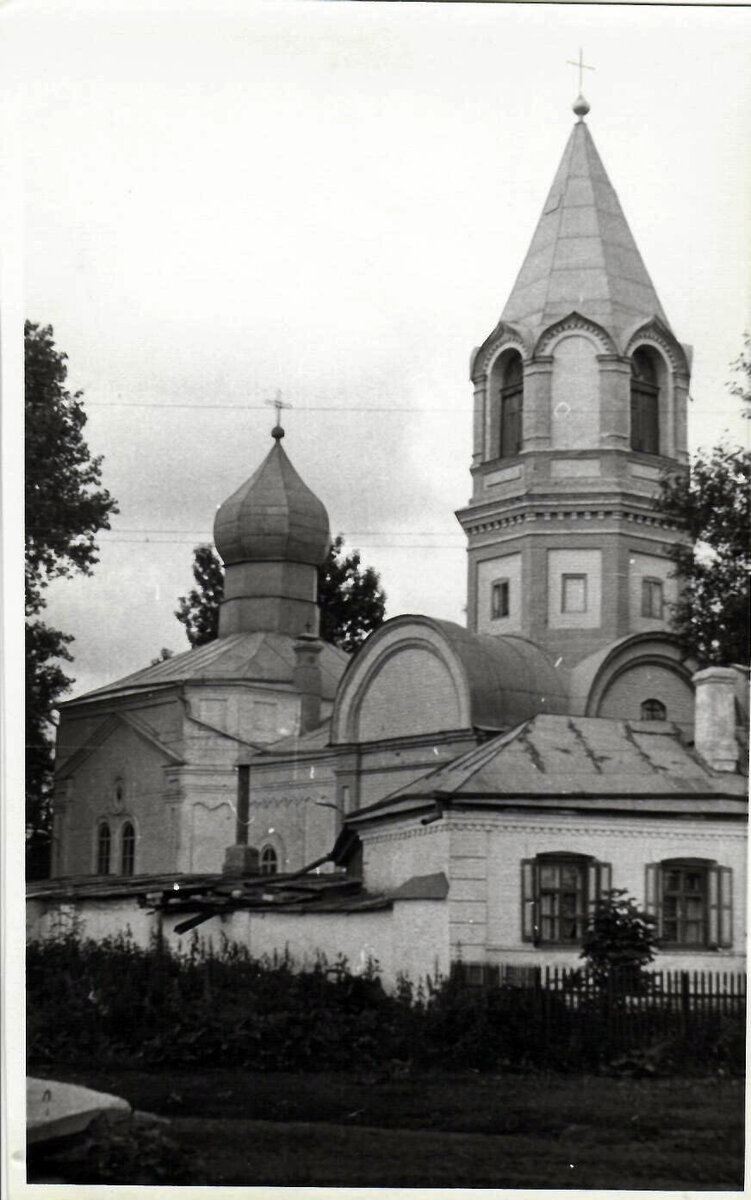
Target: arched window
column 269, row 861
column 103, row 848
column 645, row 404
column 128, row 849
column 653, row 710
column 511, row 407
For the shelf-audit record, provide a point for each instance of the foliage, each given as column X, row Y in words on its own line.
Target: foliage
column 65, row 509
column 114, row 1003
column 351, row 599
column 134, row 1150
column 713, row 506
column 740, row 386
column 620, row 937
column 199, row 610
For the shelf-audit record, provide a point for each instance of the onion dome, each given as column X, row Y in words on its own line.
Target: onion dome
column 273, row 517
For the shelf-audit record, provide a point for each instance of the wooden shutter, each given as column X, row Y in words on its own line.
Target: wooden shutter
column 605, row 879
column 652, row 895
column 529, row 900
column 720, row 907
column 726, row 907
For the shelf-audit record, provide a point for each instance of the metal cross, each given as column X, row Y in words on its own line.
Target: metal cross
column 581, row 65
column 278, row 404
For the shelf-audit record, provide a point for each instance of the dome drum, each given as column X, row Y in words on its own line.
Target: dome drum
column 276, row 596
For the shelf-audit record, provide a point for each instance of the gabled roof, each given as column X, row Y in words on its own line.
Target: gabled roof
column 583, row 256
column 103, row 731
column 554, row 759
column 242, row 657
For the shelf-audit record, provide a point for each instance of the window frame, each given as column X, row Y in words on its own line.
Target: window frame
column 501, row 588
column 570, row 576
column 645, row 408
column 264, row 859
column 128, row 843
column 649, row 585
column 103, row 848
column 596, row 880
column 718, row 903
column 511, row 408
column 652, row 716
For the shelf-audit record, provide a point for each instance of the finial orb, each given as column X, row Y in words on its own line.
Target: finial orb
column 277, row 432
column 581, row 108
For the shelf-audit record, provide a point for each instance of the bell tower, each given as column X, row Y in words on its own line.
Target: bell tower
column 580, row 397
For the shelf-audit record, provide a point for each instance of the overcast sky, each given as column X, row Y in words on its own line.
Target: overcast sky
column 222, row 200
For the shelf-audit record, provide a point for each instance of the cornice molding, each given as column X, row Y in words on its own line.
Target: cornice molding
column 503, row 337
column 575, row 323
column 652, row 333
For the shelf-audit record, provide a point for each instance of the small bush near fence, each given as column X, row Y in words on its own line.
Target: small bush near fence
column 114, row 1003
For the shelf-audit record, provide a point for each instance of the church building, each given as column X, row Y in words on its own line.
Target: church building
column 447, row 793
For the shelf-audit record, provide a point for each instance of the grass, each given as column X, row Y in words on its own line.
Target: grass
column 444, row 1131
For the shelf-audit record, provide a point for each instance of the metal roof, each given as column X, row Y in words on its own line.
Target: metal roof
column 249, row 657
column 273, row 517
column 557, row 760
column 583, row 256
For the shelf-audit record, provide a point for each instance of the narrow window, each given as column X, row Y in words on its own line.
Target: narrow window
column 128, row 849
column 512, row 408
column 559, row 893
column 103, row 849
column 645, row 404
column 653, row 710
column 573, row 593
column 691, row 900
column 499, row 599
column 652, row 598
column 269, row 861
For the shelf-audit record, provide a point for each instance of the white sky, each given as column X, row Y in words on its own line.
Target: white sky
column 334, row 199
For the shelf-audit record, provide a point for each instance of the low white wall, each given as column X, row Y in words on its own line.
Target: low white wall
column 411, row 938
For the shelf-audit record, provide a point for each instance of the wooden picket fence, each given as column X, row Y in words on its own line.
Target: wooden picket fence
column 629, row 1011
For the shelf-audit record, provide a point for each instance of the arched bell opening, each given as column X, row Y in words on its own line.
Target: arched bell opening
column 506, row 390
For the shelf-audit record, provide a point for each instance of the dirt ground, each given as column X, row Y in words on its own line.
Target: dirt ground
column 503, row 1131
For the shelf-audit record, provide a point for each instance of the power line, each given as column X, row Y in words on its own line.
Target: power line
column 261, row 407
column 378, row 546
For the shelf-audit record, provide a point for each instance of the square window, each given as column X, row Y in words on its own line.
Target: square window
column 573, row 593
column 652, row 598
column 499, row 599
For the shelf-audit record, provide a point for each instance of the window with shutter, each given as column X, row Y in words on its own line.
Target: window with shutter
column 559, row 893
column 692, row 901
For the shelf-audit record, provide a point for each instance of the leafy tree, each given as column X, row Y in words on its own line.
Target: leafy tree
column 740, row 386
column 713, row 506
column 199, row 610
column 620, row 938
column 351, row 599
column 65, row 509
